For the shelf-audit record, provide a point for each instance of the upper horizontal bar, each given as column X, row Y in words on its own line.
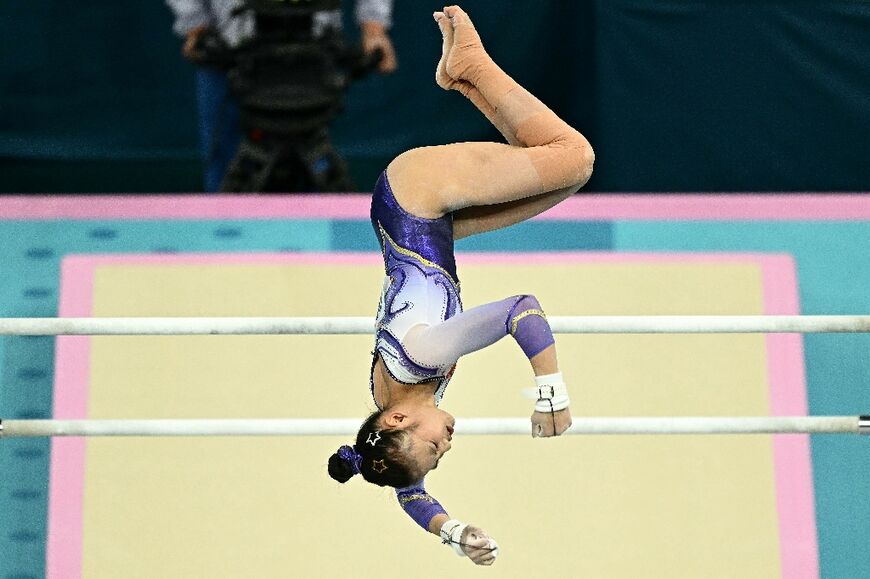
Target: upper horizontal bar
column 471, row 426
column 365, row 325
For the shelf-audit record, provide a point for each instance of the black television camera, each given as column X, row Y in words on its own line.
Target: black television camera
column 290, row 80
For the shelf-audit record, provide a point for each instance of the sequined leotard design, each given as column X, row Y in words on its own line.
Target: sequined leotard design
column 421, row 293
column 420, row 287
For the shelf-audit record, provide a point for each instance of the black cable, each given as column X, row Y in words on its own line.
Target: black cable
column 461, row 544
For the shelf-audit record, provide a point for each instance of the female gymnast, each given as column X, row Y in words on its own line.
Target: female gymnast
column 427, row 198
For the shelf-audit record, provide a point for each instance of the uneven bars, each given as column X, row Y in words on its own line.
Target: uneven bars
column 364, row 325
column 470, row 426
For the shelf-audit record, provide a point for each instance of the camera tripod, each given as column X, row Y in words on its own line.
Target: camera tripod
column 290, row 85
column 307, row 162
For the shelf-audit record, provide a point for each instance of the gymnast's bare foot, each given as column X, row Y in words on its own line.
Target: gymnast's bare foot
column 466, row 59
column 462, row 55
column 443, row 79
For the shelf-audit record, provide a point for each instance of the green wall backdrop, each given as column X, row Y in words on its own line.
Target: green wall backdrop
column 676, row 95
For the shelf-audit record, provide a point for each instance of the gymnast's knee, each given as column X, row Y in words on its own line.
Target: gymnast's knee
column 565, row 162
column 578, row 157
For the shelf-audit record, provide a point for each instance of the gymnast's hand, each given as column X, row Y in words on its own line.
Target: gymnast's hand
column 375, row 38
column 545, row 424
column 480, row 547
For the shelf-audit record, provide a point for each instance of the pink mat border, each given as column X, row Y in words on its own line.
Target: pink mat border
column 847, row 207
column 792, row 468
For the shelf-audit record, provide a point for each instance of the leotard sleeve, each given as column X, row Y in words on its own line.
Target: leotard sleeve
column 419, row 504
column 476, row 328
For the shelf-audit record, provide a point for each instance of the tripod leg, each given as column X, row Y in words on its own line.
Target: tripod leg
column 251, row 168
column 326, row 169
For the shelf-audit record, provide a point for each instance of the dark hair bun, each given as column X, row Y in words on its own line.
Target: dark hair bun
column 340, row 469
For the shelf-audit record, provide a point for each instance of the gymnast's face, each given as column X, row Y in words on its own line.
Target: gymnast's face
column 430, row 432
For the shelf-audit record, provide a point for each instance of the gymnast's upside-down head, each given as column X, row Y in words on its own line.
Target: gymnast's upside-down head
column 396, row 447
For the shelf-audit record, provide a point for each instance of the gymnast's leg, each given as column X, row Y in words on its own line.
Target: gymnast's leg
column 491, row 185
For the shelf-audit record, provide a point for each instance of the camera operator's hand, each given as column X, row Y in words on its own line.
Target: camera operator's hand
column 189, row 50
column 374, row 38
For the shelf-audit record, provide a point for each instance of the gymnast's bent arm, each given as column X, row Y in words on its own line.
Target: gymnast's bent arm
column 520, row 316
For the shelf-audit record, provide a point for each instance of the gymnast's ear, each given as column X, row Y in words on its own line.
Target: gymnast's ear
column 395, row 419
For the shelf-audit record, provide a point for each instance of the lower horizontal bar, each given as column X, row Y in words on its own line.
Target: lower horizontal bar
column 470, row 426
column 364, row 325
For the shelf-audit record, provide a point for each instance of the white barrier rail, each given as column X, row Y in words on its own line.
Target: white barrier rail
column 468, row 426
column 365, row 325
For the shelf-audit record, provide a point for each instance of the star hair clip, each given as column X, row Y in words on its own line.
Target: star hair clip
column 379, row 466
column 373, row 437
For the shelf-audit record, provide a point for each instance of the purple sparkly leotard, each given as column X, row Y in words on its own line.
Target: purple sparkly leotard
column 420, row 286
column 421, row 328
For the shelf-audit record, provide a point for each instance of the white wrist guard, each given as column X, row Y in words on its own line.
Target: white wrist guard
column 451, row 533
column 550, row 392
